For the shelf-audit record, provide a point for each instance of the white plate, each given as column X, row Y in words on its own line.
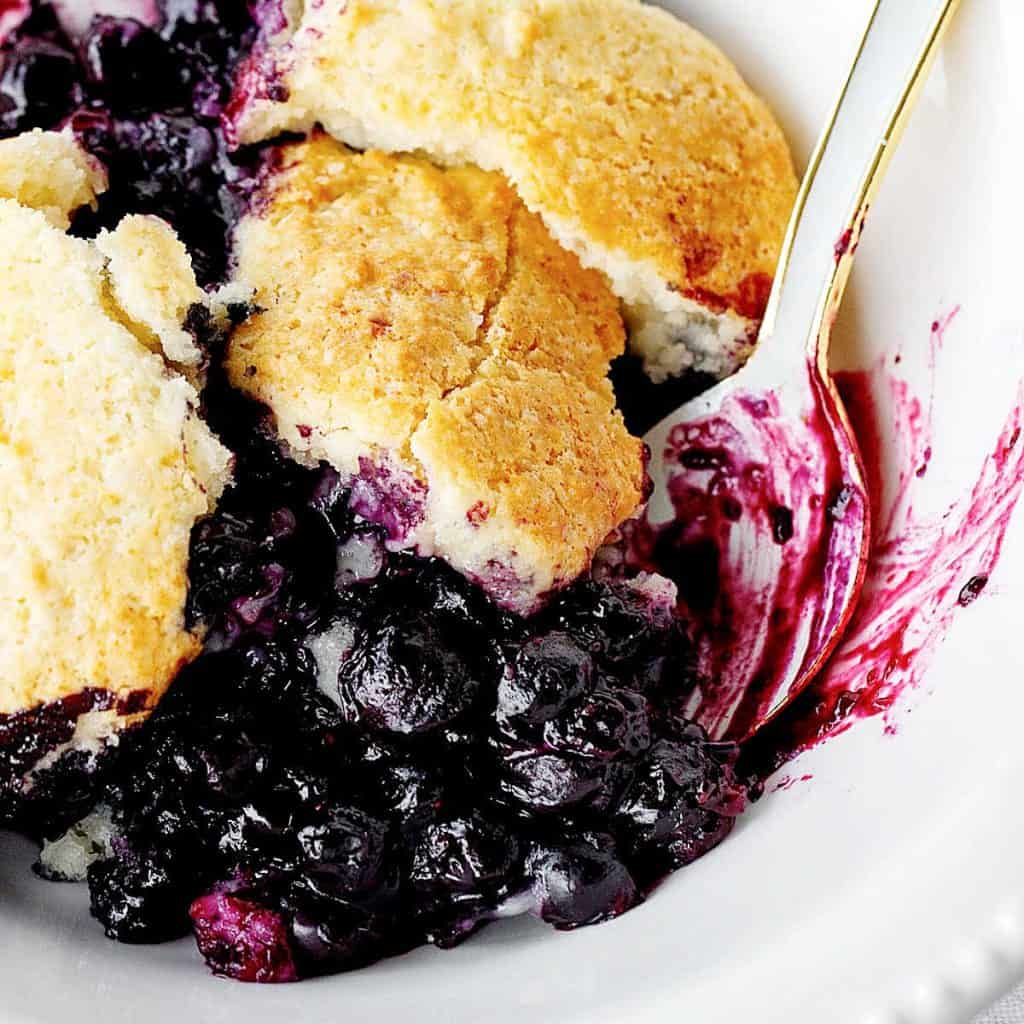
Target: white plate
column 889, row 886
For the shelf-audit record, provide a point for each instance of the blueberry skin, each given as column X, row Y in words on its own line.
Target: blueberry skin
column 460, row 869
column 141, row 897
column 547, row 783
column 463, row 855
column 131, row 67
column 40, row 83
column 580, row 882
column 671, row 785
column 346, row 852
column 403, row 788
column 545, row 674
column 603, row 724
column 340, row 937
column 612, row 623
column 405, row 676
column 225, row 563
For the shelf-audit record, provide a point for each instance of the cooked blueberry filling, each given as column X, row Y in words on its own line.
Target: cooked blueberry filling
column 369, row 754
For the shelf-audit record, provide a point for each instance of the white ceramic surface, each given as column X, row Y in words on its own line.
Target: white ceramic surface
column 886, row 888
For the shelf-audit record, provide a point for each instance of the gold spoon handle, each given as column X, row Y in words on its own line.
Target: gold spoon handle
column 899, row 44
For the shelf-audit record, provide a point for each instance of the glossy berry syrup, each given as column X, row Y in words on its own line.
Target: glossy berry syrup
column 369, row 754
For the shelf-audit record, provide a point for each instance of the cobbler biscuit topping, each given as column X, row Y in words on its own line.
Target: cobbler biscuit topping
column 419, row 329
column 633, row 137
column 50, row 172
column 104, row 463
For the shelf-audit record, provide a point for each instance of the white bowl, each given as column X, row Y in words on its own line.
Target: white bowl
column 887, row 887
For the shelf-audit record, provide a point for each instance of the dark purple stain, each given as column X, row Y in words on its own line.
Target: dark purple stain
column 759, row 408
column 926, row 458
column 782, row 524
column 914, row 586
column 971, row 590
column 703, row 458
column 844, row 244
column 760, row 491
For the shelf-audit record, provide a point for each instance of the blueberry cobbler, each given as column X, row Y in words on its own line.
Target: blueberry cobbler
column 327, row 332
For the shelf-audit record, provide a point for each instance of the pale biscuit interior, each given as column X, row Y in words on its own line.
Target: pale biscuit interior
column 51, row 173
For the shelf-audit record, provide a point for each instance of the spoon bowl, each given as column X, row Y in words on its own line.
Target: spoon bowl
column 760, row 512
column 760, row 515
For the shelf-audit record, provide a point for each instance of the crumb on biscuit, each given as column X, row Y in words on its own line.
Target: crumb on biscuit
column 49, row 172
column 154, row 284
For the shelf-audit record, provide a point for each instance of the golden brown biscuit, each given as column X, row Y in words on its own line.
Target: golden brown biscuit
column 633, row 137
column 529, row 471
column 420, row 329
column 104, row 468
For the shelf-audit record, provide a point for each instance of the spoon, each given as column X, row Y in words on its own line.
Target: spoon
column 760, row 511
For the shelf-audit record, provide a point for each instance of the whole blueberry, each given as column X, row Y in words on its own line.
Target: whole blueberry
column 544, row 675
column 698, row 832
column 401, row 787
column 39, row 86
column 130, row 66
column 262, row 828
column 448, row 594
column 340, row 936
column 226, row 560
column 234, row 764
column 580, row 883
column 407, row 675
column 462, row 855
column 345, row 852
column 141, row 896
column 293, row 796
column 611, row 621
column 671, row 781
column 546, row 782
column 271, row 673
column 602, row 724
